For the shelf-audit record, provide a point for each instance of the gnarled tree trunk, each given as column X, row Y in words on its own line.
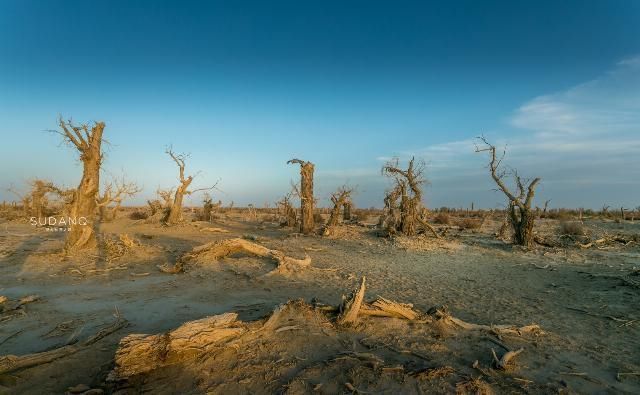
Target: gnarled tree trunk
column 83, row 206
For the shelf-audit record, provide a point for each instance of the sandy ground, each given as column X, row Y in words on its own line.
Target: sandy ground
column 585, row 300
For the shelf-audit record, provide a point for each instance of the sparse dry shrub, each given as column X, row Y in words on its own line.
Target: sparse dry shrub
column 470, row 223
column 574, row 228
column 317, row 218
column 137, row 215
column 442, row 218
column 362, row 214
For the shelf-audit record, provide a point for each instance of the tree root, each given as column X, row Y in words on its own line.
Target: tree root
column 10, row 363
column 220, row 249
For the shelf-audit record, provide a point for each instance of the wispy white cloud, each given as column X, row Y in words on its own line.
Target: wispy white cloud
column 580, row 141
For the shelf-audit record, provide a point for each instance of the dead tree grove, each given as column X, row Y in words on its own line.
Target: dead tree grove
column 404, row 210
column 88, row 141
column 174, row 212
column 520, row 214
column 306, row 195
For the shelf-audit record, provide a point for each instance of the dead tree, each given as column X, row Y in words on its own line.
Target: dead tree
column 403, row 216
column 306, row 195
column 174, row 212
column 114, row 193
column 88, row 141
column 339, row 198
column 520, row 214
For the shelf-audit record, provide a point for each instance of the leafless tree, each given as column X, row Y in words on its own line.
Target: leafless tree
column 87, row 139
column 306, row 195
column 403, row 204
column 519, row 208
column 174, row 213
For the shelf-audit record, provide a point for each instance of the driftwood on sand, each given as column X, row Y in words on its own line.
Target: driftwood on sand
column 140, row 353
column 216, row 250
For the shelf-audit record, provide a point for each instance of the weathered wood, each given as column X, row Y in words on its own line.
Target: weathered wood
column 140, row 353
column 351, row 306
column 395, row 309
column 219, row 249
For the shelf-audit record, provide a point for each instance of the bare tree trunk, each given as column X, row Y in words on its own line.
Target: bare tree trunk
column 83, row 207
column 346, row 213
column 306, row 195
column 522, row 222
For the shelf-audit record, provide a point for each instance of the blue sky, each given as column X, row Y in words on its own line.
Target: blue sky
column 245, row 86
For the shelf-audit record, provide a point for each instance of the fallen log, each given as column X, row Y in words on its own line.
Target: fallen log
column 444, row 316
column 10, row 363
column 220, row 249
column 141, row 353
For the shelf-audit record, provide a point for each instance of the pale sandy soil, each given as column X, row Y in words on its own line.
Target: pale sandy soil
column 585, row 300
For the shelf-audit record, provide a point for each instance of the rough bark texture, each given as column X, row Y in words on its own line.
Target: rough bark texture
column 139, row 353
column 88, row 142
column 306, row 195
column 346, row 211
